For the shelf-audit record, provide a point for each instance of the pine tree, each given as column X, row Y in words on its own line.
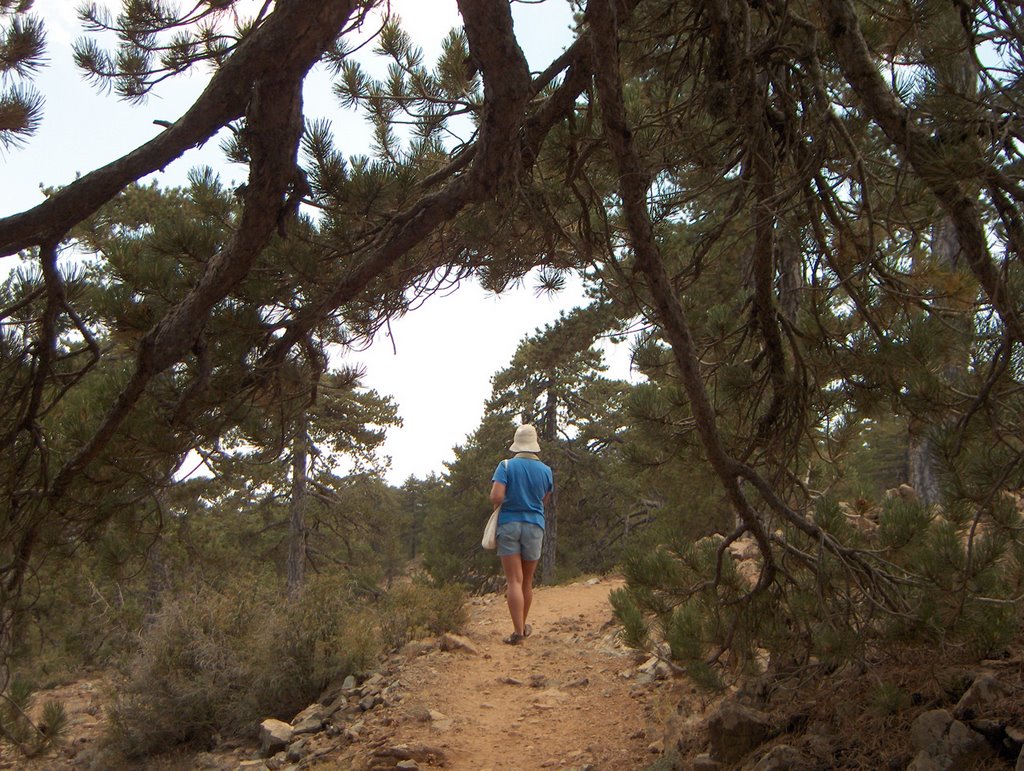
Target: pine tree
column 22, row 54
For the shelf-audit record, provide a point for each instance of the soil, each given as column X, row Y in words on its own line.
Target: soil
column 569, row 696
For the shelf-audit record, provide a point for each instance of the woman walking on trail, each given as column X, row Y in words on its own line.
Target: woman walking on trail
column 521, row 485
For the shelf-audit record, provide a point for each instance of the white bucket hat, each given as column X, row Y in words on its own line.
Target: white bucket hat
column 526, row 440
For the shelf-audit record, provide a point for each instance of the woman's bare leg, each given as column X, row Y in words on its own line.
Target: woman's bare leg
column 514, row 570
column 529, row 568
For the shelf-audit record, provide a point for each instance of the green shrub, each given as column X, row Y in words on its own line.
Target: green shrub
column 30, row 737
column 936, row 583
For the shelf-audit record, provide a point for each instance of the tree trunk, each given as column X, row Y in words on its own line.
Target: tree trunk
column 549, row 433
column 297, row 527
column 921, row 471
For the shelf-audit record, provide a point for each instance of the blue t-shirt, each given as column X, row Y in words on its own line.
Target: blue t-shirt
column 526, row 482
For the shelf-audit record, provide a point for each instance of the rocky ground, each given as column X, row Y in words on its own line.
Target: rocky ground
column 570, row 696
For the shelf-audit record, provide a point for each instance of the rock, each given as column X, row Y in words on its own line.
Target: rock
column 649, row 665
column 1014, row 734
column 376, row 680
column 862, row 523
column 657, row 747
column 749, row 571
column 407, row 764
column 277, row 762
column 419, row 713
column 439, row 721
column 654, row 669
column 297, row 751
column 310, row 725
column 744, row 548
column 781, row 757
column 928, row 730
column 908, row 493
column 454, row 642
column 204, row 760
column 705, row 762
column 274, row 736
column 316, row 711
column 943, row 742
column 734, row 730
column 985, row 690
column 335, row 692
column 369, row 702
column 993, row 731
column 421, row 753
column 924, row 762
column 962, row 741
column 415, row 648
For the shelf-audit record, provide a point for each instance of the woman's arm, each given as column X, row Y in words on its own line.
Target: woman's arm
column 497, row 493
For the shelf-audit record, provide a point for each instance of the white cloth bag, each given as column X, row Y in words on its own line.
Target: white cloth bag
column 490, row 539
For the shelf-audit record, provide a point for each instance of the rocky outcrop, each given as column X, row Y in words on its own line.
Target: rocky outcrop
column 336, row 719
column 942, row 742
column 735, row 729
column 274, row 736
column 973, row 733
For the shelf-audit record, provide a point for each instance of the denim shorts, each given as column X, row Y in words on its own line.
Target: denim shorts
column 522, row 538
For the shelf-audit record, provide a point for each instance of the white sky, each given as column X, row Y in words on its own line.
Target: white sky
column 438, row 364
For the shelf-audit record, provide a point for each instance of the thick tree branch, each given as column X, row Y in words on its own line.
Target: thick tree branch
column 633, row 186
column 275, row 127
column 496, row 164
column 295, row 32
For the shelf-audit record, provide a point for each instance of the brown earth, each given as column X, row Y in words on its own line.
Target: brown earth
column 567, row 697
column 570, row 696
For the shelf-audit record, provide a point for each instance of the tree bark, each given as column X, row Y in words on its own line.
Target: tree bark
column 297, row 508
column 549, row 551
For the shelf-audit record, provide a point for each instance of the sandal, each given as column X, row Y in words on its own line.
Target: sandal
column 514, row 639
column 527, row 630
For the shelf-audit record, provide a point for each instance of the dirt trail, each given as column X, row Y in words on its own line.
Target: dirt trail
column 568, row 697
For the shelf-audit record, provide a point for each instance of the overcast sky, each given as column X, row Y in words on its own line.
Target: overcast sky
column 438, row 362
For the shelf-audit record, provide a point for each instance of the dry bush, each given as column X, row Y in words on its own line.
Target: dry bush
column 220, row 661
column 416, row 609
